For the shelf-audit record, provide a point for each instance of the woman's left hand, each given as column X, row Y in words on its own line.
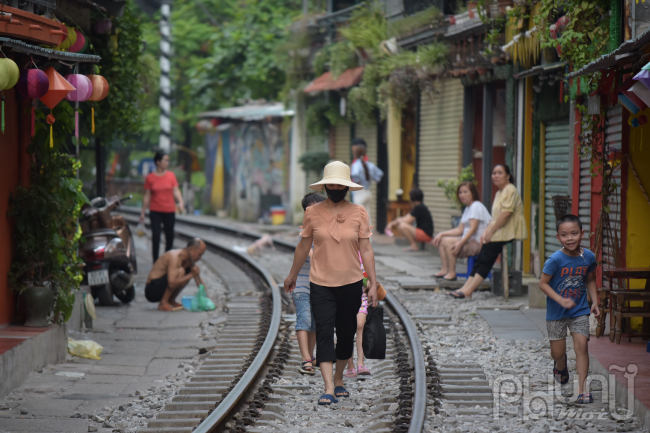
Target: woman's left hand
column 372, row 294
column 455, row 248
column 487, row 235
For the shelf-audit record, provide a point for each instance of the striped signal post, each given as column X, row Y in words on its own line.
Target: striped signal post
column 165, row 84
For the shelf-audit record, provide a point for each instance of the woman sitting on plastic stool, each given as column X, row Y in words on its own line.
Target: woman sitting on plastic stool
column 464, row 240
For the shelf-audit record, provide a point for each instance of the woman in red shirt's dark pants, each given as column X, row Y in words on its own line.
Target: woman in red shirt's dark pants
column 161, row 193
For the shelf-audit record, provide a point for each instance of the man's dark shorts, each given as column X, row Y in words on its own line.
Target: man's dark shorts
column 155, row 289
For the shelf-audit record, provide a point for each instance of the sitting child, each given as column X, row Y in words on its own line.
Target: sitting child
column 568, row 275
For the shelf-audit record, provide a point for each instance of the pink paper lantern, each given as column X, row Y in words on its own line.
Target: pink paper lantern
column 79, row 44
column 83, row 86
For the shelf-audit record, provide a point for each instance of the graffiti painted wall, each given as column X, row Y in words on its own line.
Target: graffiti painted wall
column 247, row 168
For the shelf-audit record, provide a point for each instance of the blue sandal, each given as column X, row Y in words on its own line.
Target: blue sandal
column 340, row 391
column 585, row 398
column 561, row 376
column 330, row 399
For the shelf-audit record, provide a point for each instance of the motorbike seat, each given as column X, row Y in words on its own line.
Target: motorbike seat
column 101, row 232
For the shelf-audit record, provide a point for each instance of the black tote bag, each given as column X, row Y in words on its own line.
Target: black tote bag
column 374, row 334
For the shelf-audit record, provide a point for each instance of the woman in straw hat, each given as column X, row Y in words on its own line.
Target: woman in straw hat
column 339, row 231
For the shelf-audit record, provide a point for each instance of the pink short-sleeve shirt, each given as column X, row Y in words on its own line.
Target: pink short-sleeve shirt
column 335, row 261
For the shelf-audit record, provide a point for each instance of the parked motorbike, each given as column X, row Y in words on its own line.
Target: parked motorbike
column 108, row 251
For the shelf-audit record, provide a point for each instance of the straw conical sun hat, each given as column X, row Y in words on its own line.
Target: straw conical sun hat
column 336, row 173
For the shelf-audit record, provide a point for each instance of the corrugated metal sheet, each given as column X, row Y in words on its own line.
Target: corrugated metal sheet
column 584, row 203
column 440, row 148
column 613, row 136
column 369, row 133
column 342, row 143
column 556, row 166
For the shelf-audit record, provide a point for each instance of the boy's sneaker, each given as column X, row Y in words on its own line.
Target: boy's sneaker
column 561, row 376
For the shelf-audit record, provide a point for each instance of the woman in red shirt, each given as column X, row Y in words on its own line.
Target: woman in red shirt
column 160, row 190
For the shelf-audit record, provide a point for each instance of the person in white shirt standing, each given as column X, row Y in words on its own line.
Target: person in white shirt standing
column 363, row 172
column 464, row 240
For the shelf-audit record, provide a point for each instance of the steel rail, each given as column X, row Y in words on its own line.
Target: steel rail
column 218, row 415
column 418, row 411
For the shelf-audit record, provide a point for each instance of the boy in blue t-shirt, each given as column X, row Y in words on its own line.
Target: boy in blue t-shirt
column 567, row 277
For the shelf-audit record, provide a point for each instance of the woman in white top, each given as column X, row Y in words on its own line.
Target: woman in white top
column 464, row 240
column 363, row 172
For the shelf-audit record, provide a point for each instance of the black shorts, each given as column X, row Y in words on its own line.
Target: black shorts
column 155, row 289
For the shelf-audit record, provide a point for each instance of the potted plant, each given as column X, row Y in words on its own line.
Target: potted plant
column 45, row 269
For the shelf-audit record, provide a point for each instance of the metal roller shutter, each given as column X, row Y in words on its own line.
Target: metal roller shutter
column 369, row 133
column 613, row 138
column 584, row 203
column 440, row 148
column 556, row 181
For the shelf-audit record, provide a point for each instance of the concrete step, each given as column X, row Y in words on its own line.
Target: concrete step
column 456, row 396
column 469, row 403
column 221, row 384
column 202, row 390
column 456, row 370
column 453, row 389
column 190, row 405
column 186, row 422
column 182, row 414
column 166, row 430
column 462, row 382
column 213, row 397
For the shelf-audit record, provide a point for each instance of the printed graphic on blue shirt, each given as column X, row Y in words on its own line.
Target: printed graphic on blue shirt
column 569, row 280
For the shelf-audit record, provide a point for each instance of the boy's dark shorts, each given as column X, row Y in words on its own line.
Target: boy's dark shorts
column 557, row 328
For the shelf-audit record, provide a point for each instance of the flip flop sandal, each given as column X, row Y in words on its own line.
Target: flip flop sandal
column 585, row 398
column 448, row 279
column 363, row 371
column 329, row 399
column 304, row 369
column 179, row 308
column 315, row 363
column 351, row 372
column 561, row 376
column 340, row 391
column 456, row 295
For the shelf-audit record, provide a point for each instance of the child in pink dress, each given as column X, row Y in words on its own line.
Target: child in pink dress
column 362, row 370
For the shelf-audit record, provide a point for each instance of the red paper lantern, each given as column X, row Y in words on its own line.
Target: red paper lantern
column 58, row 89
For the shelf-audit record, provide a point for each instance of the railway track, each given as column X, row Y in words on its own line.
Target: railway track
column 249, row 381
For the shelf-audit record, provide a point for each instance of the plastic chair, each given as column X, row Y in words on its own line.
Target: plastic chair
column 470, row 266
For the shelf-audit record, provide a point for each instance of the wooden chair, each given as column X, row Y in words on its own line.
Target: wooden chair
column 604, row 306
column 617, row 299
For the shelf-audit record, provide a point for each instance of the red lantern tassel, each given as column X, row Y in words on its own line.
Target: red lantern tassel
column 93, row 120
column 3, row 112
column 33, row 117
column 51, row 136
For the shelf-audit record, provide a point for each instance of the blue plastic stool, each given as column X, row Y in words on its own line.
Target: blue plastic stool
column 470, row 266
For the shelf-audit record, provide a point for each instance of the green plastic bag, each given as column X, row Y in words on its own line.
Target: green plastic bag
column 201, row 302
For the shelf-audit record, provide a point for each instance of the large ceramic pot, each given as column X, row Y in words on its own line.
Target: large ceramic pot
column 37, row 303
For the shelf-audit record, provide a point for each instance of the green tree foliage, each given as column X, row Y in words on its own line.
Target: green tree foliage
column 243, row 63
column 119, row 115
